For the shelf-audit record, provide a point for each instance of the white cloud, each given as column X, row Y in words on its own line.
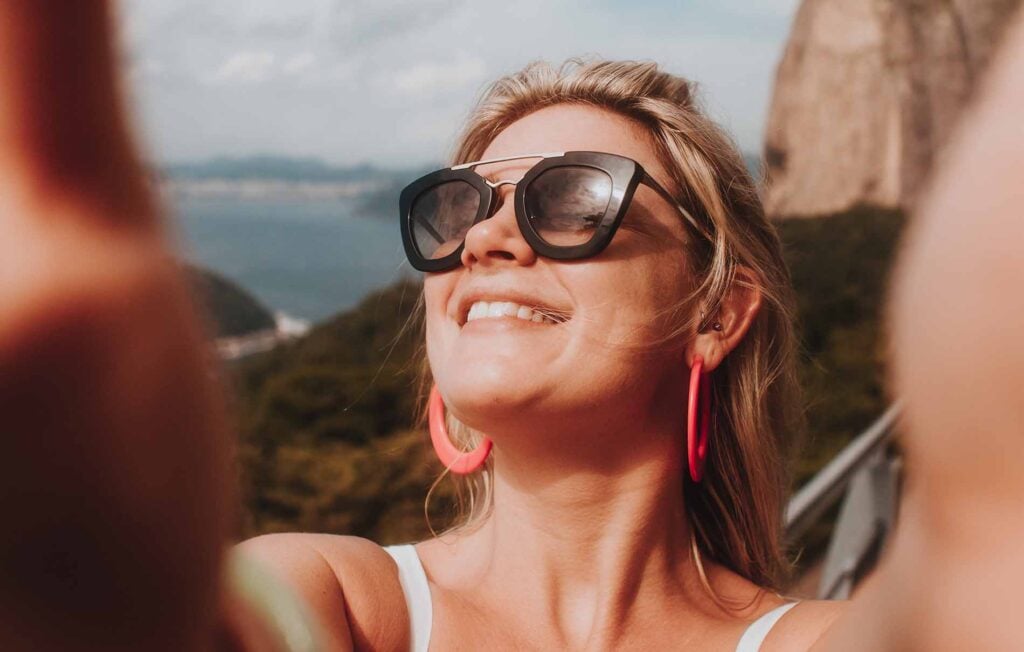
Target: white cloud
column 245, row 67
column 140, row 69
column 358, row 22
column 436, row 76
column 299, row 63
column 784, row 8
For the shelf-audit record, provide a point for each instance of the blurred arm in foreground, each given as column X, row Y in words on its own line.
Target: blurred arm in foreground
column 114, row 476
column 953, row 578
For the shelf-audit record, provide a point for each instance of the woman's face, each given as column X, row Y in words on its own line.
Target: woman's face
column 496, row 373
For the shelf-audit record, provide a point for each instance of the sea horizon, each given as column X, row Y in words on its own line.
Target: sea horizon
column 306, row 257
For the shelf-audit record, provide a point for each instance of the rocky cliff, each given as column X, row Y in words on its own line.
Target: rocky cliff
column 867, row 93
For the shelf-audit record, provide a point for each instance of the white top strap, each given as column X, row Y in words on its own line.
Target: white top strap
column 416, row 589
column 417, row 594
column 758, row 630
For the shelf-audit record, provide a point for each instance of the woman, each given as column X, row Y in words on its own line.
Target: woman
column 113, row 473
column 573, row 301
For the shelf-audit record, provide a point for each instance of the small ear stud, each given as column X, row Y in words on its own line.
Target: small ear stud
column 716, row 326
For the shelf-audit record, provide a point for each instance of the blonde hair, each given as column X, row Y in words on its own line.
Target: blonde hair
column 736, row 511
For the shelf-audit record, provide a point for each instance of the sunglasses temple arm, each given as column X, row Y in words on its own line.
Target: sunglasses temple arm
column 649, row 181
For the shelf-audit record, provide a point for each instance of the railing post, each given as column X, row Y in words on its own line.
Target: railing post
column 866, row 477
column 865, row 520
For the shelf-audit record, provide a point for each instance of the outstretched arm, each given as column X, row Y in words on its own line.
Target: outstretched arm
column 953, row 578
column 114, row 475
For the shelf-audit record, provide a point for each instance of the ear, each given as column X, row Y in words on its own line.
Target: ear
column 736, row 313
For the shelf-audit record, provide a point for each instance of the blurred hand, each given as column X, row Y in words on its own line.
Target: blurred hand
column 952, row 578
column 114, row 476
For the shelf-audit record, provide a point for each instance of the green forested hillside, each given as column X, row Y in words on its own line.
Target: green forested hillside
column 330, row 442
column 840, row 266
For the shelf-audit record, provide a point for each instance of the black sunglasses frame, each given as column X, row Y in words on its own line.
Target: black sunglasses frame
column 625, row 174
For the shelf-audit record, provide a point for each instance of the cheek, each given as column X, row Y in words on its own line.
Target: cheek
column 437, row 290
column 640, row 305
column 439, row 346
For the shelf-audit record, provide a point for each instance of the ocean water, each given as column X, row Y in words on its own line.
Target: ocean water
column 307, row 258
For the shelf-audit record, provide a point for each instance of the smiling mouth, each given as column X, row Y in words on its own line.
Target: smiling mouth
column 507, row 309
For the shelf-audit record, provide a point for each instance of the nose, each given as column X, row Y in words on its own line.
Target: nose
column 497, row 239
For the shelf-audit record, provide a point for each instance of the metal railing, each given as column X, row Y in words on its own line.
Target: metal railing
column 866, row 476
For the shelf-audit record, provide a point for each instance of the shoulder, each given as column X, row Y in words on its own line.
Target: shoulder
column 350, row 584
column 803, row 625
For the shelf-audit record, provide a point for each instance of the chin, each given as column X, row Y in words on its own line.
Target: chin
column 485, row 395
column 501, row 388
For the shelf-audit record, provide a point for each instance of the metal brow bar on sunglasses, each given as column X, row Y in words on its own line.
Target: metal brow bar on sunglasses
column 646, row 179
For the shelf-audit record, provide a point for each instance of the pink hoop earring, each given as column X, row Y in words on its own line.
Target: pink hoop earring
column 697, row 425
column 461, row 462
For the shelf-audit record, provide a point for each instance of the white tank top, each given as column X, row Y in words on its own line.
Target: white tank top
column 421, row 614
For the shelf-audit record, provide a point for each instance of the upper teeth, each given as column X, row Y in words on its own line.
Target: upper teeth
column 483, row 309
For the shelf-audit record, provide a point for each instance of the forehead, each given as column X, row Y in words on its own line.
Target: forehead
column 571, row 127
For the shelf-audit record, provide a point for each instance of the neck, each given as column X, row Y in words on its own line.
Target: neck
column 591, row 520
column 578, row 540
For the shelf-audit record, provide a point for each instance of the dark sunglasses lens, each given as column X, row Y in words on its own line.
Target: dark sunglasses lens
column 566, row 204
column 441, row 216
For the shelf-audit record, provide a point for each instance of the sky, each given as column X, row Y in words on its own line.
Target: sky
column 388, row 82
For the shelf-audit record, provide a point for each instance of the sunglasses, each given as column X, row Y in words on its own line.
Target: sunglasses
column 568, row 206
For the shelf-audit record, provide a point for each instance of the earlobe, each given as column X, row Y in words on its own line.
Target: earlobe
column 706, row 345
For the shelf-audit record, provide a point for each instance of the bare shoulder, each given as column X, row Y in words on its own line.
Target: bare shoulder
column 803, row 625
column 350, row 584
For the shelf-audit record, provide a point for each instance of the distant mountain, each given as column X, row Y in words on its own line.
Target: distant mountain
column 279, row 168
column 382, row 202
